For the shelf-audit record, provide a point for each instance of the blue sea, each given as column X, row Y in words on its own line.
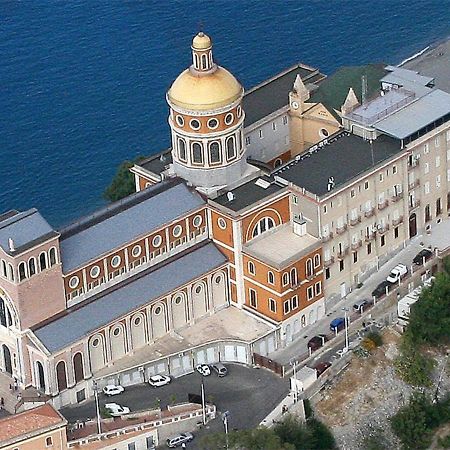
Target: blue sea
column 83, row 82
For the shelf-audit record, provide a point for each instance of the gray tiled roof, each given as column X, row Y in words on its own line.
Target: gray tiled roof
column 141, row 290
column 125, row 221
column 23, row 228
column 343, row 158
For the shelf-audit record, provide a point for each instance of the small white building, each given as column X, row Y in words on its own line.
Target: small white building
column 304, row 378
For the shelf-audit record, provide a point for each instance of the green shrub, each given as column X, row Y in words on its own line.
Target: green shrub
column 376, row 338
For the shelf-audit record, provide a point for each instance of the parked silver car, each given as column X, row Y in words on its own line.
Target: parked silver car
column 179, row 439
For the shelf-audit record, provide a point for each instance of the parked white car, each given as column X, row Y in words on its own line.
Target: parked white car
column 203, row 369
column 111, row 389
column 159, row 380
column 117, row 410
column 397, row 273
column 179, row 439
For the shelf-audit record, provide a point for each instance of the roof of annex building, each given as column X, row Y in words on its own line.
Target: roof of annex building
column 124, row 221
column 333, row 91
column 25, row 229
column 417, row 115
column 272, row 94
column 249, row 193
column 157, row 163
column 344, row 157
column 29, row 423
column 399, row 75
column 107, row 306
column 280, row 246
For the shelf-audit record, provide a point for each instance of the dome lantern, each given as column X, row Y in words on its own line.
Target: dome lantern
column 202, row 59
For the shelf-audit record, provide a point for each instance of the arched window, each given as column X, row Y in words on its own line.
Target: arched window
column 78, row 367
column 204, row 62
column 197, row 154
column 42, row 261
column 4, row 270
column 251, row 267
column 294, row 276
column 309, row 267
column 231, row 148
column 31, row 266
column 316, row 260
column 196, row 65
column 214, row 152
column 22, row 271
column 48, row 441
column 266, row 223
column 182, row 149
column 61, row 376
column 52, row 256
column 11, row 272
column 270, row 277
column 285, row 279
column 2, row 312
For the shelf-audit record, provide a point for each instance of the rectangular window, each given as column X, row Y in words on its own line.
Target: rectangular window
column 382, row 241
column 438, row 181
column 341, row 265
column 253, row 298
column 274, row 126
column 426, row 148
column 272, row 305
column 132, row 446
column 310, row 293
column 318, row 288
column 261, row 134
column 426, row 168
column 426, row 187
column 394, row 169
column 352, row 193
column 448, row 135
column 295, row 302
column 286, row 307
column 448, row 155
column 395, row 232
column 366, row 185
column 355, row 257
column 369, row 248
column 324, row 209
column 437, row 141
column 295, row 199
column 381, row 177
column 438, row 161
column 247, row 140
column 285, row 120
column 327, row 273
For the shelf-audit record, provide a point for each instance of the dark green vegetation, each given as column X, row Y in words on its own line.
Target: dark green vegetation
column 414, row 423
column 123, row 181
column 290, row 434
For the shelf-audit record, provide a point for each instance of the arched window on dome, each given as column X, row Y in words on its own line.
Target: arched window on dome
column 214, row 152
column 197, row 153
column 231, row 148
column 204, row 61
column 240, row 149
column 196, row 64
column 182, row 149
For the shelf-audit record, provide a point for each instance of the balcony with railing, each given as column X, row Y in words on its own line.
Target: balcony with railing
column 383, row 228
column 341, row 229
column 355, row 220
column 414, row 184
column 397, row 221
column 327, row 237
column 413, row 164
column 369, row 212
column 369, row 236
column 383, row 204
column 356, row 245
column 397, row 197
column 329, row 261
column 413, row 204
column 342, row 253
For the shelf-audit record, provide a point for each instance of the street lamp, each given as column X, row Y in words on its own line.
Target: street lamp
column 225, row 416
column 95, row 389
column 203, row 403
column 346, row 328
column 294, row 365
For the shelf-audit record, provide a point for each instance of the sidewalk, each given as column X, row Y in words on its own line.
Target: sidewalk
column 440, row 238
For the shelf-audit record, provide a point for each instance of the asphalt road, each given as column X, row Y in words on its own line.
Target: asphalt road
column 248, row 394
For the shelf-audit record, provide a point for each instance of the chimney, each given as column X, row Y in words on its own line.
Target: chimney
column 299, row 226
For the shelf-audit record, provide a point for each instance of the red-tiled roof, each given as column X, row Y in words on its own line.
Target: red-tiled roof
column 29, row 422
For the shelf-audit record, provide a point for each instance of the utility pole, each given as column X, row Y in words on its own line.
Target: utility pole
column 203, row 403
column 346, row 329
column 99, row 424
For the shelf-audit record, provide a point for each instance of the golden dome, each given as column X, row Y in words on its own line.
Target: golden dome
column 204, row 91
column 201, row 41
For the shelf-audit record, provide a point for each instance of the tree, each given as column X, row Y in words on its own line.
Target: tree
column 429, row 320
column 414, row 422
column 122, row 184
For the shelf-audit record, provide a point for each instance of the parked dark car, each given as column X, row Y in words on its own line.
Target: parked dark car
column 380, row 290
column 337, row 324
column 316, row 342
column 321, row 367
column 361, row 305
column 425, row 253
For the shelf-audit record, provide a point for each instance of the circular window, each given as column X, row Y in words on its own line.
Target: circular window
column 95, row 271
column 95, row 342
column 213, row 124
column 323, row 133
column 157, row 310
column 229, row 118
column 180, row 121
column 197, row 221
column 195, row 124
column 221, row 222
column 115, row 262
column 137, row 250
column 157, row 240
column 116, row 331
column 198, row 289
column 178, row 299
column 218, row 279
column 73, row 282
column 137, row 321
column 177, row 230
column 239, row 111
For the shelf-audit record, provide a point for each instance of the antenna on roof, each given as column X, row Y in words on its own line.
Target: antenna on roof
column 330, row 184
column 364, row 90
column 230, row 196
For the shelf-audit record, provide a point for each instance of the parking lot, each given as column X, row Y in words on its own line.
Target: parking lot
column 248, row 394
